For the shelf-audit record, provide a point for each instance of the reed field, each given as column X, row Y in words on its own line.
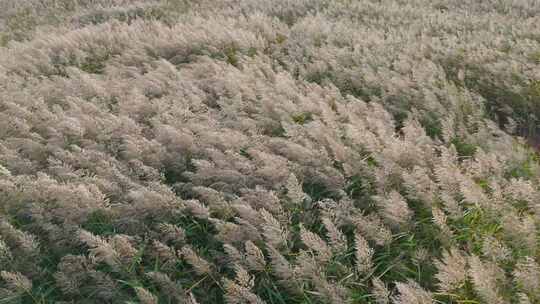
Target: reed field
column 270, row 151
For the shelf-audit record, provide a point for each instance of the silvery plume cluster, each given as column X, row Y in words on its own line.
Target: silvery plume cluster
column 269, row 151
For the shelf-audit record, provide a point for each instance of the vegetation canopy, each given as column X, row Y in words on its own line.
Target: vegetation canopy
column 270, row 151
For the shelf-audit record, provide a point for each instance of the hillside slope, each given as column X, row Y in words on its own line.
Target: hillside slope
column 269, row 151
